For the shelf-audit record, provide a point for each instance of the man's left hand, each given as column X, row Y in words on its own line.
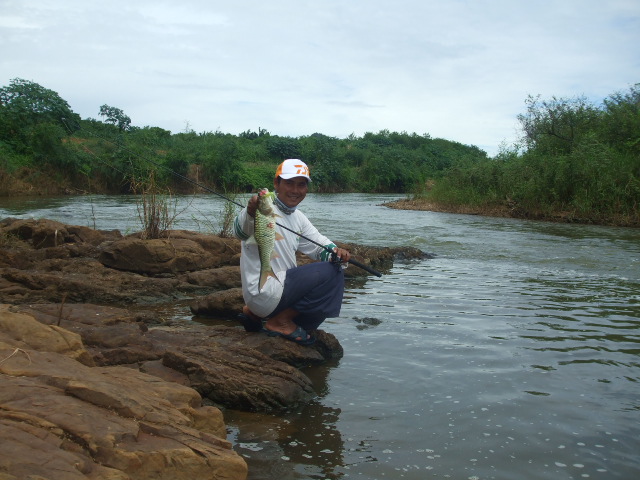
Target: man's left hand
column 342, row 254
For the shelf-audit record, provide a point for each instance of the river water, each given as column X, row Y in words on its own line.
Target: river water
column 513, row 354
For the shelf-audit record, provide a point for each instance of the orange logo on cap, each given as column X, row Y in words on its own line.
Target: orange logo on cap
column 302, row 170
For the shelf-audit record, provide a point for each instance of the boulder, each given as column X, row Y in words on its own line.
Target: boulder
column 231, row 367
column 157, row 256
column 21, row 331
column 180, row 252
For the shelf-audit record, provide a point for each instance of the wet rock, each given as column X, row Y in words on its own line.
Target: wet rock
column 241, row 378
column 367, row 322
column 231, row 367
column 379, row 258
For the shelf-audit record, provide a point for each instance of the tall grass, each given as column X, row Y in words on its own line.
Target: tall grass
column 157, row 208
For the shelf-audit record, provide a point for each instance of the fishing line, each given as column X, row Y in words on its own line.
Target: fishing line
column 224, row 197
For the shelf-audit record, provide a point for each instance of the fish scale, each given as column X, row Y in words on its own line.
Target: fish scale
column 265, row 234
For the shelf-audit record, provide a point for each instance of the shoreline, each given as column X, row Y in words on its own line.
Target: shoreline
column 504, row 211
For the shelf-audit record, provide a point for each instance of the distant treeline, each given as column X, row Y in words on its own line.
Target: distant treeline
column 574, row 159
column 573, row 156
column 38, row 130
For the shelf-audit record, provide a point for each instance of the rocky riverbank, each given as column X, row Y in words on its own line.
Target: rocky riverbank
column 512, row 210
column 96, row 384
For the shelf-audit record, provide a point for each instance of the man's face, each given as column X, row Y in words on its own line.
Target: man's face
column 292, row 191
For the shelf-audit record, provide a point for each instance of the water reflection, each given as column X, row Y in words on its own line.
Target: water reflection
column 307, row 438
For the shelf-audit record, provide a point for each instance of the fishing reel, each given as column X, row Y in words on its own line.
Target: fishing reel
column 336, row 260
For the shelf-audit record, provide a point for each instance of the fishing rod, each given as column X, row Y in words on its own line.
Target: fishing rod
column 224, row 197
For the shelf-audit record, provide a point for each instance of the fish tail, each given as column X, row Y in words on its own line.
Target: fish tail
column 264, row 276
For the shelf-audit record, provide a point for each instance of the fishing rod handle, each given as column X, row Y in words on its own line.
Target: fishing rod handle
column 365, row 267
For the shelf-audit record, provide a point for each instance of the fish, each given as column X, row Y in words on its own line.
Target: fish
column 265, row 234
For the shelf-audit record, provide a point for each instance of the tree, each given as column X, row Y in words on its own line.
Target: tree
column 281, row 148
column 622, row 120
column 116, row 117
column 556, row 126
column 24, row 104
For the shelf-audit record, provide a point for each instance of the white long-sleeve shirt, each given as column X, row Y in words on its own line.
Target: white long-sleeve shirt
column 263, row 302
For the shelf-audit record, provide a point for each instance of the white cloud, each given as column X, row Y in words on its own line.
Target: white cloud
column 459, row 70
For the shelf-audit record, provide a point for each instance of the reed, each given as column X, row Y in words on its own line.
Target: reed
column 157, row 207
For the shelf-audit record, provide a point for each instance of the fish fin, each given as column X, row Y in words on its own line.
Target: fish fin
column 251, row 240
column 263, row 278
column 279, row 236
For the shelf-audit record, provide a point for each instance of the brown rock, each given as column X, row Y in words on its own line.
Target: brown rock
column 113, row 336
column 21, row 331
column 223, row 303
column 181, row 252
column 156, row 256
column 82, row 280
column 62, row 419
column 45, row 233
column 252, row 381
column 231, row 367
column 220, row 278
column 138, row 413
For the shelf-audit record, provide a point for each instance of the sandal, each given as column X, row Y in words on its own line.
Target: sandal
column 299, row 336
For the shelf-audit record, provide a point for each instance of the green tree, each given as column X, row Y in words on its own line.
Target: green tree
column 115, row 116
column 281, row 148
column 24, row 105
column 622, row 120
column 221, row 160
column 556, row 126
column 322, row 154
column 27, row 103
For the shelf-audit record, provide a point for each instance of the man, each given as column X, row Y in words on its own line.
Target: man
column 300, row 298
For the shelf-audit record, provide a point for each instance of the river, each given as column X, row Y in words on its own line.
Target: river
column 513, row 354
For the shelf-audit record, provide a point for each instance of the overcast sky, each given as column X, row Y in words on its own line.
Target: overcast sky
column 459, row 70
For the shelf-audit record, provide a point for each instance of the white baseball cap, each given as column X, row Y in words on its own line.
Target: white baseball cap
column 293, row 167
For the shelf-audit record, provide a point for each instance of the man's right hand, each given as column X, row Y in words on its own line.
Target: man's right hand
column 252, row 206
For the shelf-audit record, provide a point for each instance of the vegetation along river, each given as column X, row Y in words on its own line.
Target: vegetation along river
column 513, row 354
